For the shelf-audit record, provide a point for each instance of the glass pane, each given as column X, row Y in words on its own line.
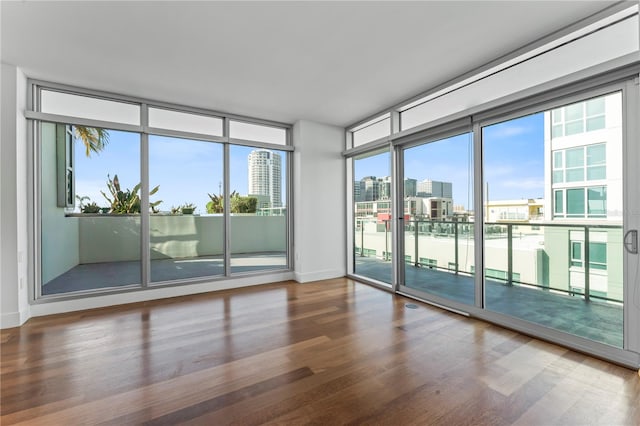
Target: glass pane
column 573, row 112
column 257, row 132
column 596, row 155
column 575, row 157
column 559, row 202
column 88, row 107
column 439, row 219
column 95, row 243
column 186, row 241
column 557, row 160
column 598, row 253
column 576, row 251
column 597, row 201
column 372, row 132
column 595, row 106
column 550, row 255
column 556, row 116
column 575, row 202
column 573, row 127
column 575, row 175
column 595, row 123
column 258, row 234
column 557, row 130
column 595, row 173
column 558, row 176
column 372, row 217
column 186, row 122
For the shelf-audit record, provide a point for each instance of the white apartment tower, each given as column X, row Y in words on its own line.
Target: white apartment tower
column 265, row 176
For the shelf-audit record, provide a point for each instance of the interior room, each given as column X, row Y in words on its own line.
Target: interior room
column 320, row 212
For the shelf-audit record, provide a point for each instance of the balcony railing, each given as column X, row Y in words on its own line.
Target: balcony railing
column 551, row 257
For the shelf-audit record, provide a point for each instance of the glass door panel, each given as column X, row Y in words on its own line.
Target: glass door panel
column 372, row 216
column 186, row 236
column 438, row 218
column 553, row 218
column 90, row 215
column 258, row 234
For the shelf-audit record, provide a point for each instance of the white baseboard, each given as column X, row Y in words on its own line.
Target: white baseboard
column 305, row 277
column 13, row 319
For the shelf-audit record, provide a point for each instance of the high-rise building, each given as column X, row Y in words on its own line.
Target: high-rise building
column 434, row 188
column 410, row 187
column 265, row 175
column 369, row 188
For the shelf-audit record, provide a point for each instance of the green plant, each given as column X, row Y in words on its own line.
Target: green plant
column 91, row 207
column 187, row 208
column 216, row 205
column 244, row 204
column 239, row 204
column 176, row 210
column 123, row 202
column 94, row 139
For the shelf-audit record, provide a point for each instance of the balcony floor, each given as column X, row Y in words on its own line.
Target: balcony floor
column 92, row 276
column 595, row 320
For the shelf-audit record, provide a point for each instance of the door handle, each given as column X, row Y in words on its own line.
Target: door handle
column 632, row 245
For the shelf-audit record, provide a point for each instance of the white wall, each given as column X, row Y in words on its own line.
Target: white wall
column 608, row 44
column 319, row 202
column 14, row 305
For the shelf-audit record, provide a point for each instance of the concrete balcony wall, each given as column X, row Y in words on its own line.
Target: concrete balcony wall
column 117, row 238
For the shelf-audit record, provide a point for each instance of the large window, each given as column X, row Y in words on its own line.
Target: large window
column 93, row 241
column 186, row 237
column 541, row 271
column 126, row 205
column 438, row 218
column 372, row 250
column 258, row 185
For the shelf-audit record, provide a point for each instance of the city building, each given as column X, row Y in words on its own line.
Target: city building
column 265, row 176
column 434, row 188
column 583, row 184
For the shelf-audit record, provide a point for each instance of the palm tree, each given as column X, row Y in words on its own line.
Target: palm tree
column 94, row 139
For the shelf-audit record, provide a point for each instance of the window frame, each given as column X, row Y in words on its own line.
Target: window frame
column 34, row 114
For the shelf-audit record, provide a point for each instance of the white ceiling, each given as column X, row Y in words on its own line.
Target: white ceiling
column 330, row 62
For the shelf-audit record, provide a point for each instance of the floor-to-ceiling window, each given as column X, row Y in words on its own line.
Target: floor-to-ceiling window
column 550, row 178
column 132, row 195
column 553, row 222
column 186, row 236
column 258, row 233
column 372, row 216
column 90, row 208
column 438, row 220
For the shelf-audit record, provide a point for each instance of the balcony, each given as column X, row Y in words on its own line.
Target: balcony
column 563, row 276
column 104, row 251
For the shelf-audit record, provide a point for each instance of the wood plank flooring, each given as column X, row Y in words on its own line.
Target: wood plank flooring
column 325, row 353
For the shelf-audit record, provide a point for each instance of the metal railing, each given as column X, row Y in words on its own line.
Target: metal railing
column 492, row 231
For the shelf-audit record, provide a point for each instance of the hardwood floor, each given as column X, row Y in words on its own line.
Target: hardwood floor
column 326, row 353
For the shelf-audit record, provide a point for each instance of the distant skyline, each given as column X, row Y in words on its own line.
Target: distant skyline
column 513, row 161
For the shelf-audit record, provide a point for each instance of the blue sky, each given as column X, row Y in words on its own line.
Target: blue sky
column 186, row 170
column 513, row 161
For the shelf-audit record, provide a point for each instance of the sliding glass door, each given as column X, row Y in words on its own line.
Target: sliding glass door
column 553, row 218
column 372, row 236
column 186, row 237
column 438, row 219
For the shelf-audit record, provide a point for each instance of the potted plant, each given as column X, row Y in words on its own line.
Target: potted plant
column 187, row 208
column 91, row 207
